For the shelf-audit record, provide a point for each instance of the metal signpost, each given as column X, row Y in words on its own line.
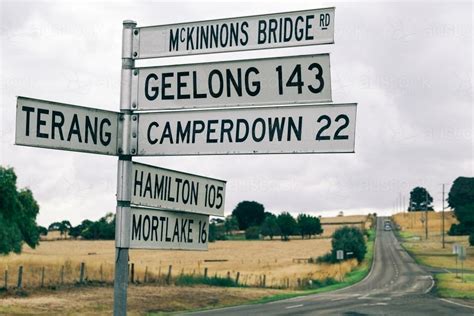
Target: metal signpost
column 289, row 29
column 269, row 81
column 340, row 257
column 258, row 130
column 159, row 208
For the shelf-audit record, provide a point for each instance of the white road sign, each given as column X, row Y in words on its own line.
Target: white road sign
column 269, row 81
column 174, row 190
column 62, row 126
column 289, row 29
column 257, row 130
column 153, row 229
column 339, row 254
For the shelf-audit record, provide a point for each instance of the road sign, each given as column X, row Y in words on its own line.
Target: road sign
column 289, row 29
column 153, row 229
column 174, row 190
column 339, row 254
column 461, row 252
column 268, row 81
column 456, row 249
column 258, row 130
column 41, row 123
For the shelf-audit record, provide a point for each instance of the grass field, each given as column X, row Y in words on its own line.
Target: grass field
column 252, row 259
column 429, row 251
column 57, row 262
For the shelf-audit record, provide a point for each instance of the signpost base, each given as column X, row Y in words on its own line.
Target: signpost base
column 120, row 281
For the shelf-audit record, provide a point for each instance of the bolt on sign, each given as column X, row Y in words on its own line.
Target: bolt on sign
column 257, row 130
column 268, row 81
column 172, row 190
column 289, row 29
column 47, row 124
column 155, row 229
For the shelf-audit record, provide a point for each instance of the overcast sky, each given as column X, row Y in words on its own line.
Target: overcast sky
column 407, row 65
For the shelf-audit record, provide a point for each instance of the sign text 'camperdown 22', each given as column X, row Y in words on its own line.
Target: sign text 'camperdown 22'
column 154, row 229
column 289, row 29
column 173, row 190
column 47, row 124
column 257, row 130
column 268, row 81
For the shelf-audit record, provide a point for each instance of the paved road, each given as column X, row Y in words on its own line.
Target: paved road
column 396, row 285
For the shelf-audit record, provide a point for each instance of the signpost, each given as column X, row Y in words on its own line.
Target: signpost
column 340, row 257
column 47, row 124
column 289, row 29
column 173, row 190
column 258, row 130
column 269, row 81
column 159, row 208
column 153, row 229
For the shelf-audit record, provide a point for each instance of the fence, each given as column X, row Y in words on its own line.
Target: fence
column 36, row 276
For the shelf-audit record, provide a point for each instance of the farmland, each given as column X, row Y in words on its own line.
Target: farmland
column 429, row 251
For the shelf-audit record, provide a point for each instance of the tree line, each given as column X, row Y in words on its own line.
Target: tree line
column 250, row 216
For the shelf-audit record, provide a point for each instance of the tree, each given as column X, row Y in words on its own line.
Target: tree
column 230, row 224
column 349, row 239
column 249, row 213
column 104, row 228
column 253, row 232
column 420, row 200
column 287, row 224
column 461, row 199
column 308, row 225
column 270, row 226
column 43, row 231
column 18, row 211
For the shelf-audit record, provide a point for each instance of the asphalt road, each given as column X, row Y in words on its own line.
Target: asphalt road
column 396, row 285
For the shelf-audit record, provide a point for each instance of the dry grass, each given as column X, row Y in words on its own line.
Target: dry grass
column 430, row 252
column 251, row 258
column 141, row 300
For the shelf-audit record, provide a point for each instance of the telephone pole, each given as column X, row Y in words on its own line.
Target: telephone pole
column 426, row 216
column 442, row 221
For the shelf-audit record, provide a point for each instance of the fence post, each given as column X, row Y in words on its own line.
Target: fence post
column 20, row 276
column 205, row 273
column 62, row 274
column 237, row 278
column 264, row 280
column 6, row 279
column 228, row 274
column 101, row 274
column 132, row 274
column 168, row 277
column 81, row 277
column 145, row 278
column 42, row 277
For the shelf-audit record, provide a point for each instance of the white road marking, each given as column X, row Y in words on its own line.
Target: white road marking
column 448, row 301
column 294, row 306
column 432, row 284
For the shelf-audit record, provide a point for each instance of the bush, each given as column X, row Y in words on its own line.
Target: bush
column 349, row 239
column 187, row 280
column 458, row 230
column 471, row 239
column 327, row 258
column 253, row 232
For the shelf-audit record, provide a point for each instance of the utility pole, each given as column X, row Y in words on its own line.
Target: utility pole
column 426, row 215
column 442, row 221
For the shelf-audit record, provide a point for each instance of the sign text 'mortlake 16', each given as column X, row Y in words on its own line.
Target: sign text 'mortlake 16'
column 62, row 126
column 270, row 81
column 153, row 229
column 257, row 130
column 173, row 190
column 289, row 29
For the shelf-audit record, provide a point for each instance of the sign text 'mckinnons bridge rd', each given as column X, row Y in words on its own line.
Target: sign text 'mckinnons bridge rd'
column 289, row 29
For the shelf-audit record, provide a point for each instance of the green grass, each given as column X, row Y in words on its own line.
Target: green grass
column 448, row 285
column 356, row 275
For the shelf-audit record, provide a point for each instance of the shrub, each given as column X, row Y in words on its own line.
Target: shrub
column 326, row 258
column 186, row 280
column 458, row 230
column 471, row 239
column 253, row 232
column 349, row 239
